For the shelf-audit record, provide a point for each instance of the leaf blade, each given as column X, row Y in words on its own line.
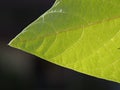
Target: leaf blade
column 86, row 40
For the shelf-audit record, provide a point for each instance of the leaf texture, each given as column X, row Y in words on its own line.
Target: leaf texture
column 83, row 35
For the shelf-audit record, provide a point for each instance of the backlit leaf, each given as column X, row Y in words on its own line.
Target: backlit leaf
column 83, row 35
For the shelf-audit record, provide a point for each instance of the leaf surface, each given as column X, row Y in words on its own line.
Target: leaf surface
column 83, row 35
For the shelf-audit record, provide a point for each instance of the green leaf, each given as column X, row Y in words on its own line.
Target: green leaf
column 83, row 35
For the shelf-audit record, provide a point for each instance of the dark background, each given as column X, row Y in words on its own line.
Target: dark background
column 22, row 71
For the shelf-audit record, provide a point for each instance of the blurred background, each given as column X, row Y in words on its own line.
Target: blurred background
column 22, row 71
